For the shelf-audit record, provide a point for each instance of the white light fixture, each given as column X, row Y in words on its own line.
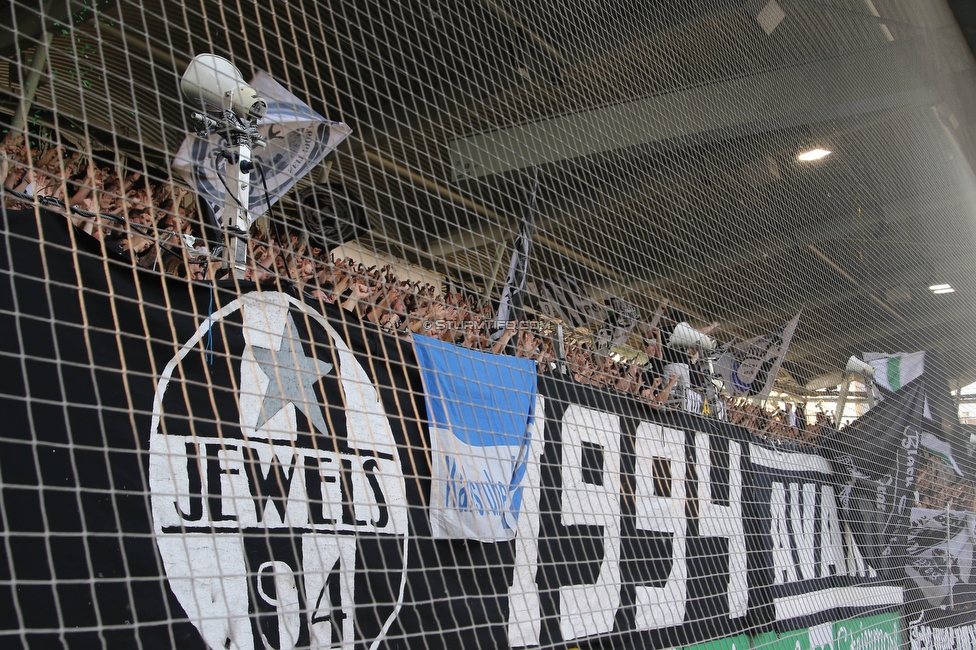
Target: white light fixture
column 949, row 290
column 939, row 287
column 813, row 154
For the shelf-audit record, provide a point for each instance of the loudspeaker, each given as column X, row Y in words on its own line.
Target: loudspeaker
column 859, row 367
column 686, row 336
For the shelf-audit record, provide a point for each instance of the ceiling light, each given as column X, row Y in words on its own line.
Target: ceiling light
column 813, row 154
column 949, row 290
column 937, row 287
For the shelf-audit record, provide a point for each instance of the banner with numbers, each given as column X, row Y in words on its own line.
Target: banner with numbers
column 245, row 467
column 632, row 525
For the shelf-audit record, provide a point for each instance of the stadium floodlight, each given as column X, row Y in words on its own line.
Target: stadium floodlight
column 233, row 108
column 813, row 154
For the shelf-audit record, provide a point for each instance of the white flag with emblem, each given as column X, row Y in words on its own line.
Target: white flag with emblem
column 297, row 140
column 749, row 368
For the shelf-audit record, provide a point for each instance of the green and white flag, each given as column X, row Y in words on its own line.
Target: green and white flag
column 940, row 448
column 892, row 371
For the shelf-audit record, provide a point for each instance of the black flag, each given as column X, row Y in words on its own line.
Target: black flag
column 513, row 295
column 878, row 455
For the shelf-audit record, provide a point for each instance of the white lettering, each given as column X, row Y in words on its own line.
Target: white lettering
column 832, row 560
column 873, row 639
column 959, row 638
column 943, row 638
column 329, row 566
column 785, row 570
column 659, row 607
column 803, row 514
column 524, row 610
column 222, row 484
column 589, row 609
column 724, row 521
column 284, row 598
column 855, row 560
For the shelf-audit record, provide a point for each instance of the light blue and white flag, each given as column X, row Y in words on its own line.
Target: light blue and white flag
column 480, row 412
column 297, row 140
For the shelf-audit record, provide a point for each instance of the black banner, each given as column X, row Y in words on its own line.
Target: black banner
column 816, row 571
column 940, row 584
column 236, row 467
column 631, row 527
column 877, row 455
column 196, row 467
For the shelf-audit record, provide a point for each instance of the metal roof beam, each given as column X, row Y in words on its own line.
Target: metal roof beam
column 773, row 99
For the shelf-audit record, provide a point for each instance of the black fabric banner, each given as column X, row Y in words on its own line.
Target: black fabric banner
column 816, row 571
column 232, row 467
column 939, row 566
column 169, row 476
column 940, row 584
column 877, row 456
column 633, row 531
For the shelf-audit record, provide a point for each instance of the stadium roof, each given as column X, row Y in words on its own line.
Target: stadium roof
column 666, row 139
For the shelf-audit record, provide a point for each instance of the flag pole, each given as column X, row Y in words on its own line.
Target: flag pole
column 952, row 595
column 512, row 299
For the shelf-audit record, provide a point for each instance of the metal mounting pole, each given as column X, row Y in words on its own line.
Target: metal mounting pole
column 869, row 389
column 495, row 265
column 236, row 216
column 952, row 591
column 560, row 355
column 29, row 89
column 845, row 386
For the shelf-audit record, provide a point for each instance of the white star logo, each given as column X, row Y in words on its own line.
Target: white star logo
column 292, row 377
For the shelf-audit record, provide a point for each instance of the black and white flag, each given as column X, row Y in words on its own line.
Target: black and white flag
column 877, row 457
column 622, row 318
column 749, row 368
column 940, row 556
column 562, row 298
column 513, row 295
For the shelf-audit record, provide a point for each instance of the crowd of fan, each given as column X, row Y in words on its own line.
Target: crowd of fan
column 156, row 224
column 786, row 425
column 938, row 484
column 418, row 308
column 159, row 227
column 152, row 221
